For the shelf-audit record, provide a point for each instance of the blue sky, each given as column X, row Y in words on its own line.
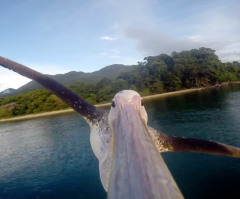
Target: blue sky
column 58, row 36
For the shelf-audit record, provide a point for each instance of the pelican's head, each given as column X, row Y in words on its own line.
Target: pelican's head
column 127, row 100
column 137, row 169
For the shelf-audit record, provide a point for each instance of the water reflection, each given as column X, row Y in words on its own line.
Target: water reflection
column 52, row 158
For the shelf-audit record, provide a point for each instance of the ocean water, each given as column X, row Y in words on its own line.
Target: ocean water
column 52, row 158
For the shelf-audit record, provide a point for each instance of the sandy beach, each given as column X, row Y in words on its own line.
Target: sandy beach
column 66, row 111
column 45, row 114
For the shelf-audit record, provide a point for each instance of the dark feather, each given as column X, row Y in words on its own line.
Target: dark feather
column 203, row 146
column 165, row 143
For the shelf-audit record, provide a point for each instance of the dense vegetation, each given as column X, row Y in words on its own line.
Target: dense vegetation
column 155, row 74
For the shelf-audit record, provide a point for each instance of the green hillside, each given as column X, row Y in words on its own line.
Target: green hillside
column 155, row 74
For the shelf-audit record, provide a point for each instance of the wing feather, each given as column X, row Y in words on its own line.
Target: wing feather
column 166, row 143
column 73, row 100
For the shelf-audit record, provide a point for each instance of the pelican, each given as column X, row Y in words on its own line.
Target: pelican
column 127, row 148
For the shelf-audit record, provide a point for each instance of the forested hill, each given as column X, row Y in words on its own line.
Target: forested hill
column 155, row 74
column 110, row 72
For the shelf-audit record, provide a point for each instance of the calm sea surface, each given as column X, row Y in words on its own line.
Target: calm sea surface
column 52, row 158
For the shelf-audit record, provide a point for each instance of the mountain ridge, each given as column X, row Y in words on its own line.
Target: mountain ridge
column 110, row 72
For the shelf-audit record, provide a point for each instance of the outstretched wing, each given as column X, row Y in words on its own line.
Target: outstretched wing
column 166, row 143
column 81, row 106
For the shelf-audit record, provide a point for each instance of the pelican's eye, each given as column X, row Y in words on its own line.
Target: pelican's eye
column 142, row 103
column 113, row 103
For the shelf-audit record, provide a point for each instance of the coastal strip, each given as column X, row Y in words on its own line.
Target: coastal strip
column 45, row 114
column 150, row 97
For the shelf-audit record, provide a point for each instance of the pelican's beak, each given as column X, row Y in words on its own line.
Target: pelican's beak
column 138, row 170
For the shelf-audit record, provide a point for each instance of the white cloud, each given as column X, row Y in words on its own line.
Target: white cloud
column 158, row 27
column 154, row 42
column 219, row 29
column 108, row 38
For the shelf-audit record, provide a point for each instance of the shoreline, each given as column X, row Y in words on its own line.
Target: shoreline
column 155, row 96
